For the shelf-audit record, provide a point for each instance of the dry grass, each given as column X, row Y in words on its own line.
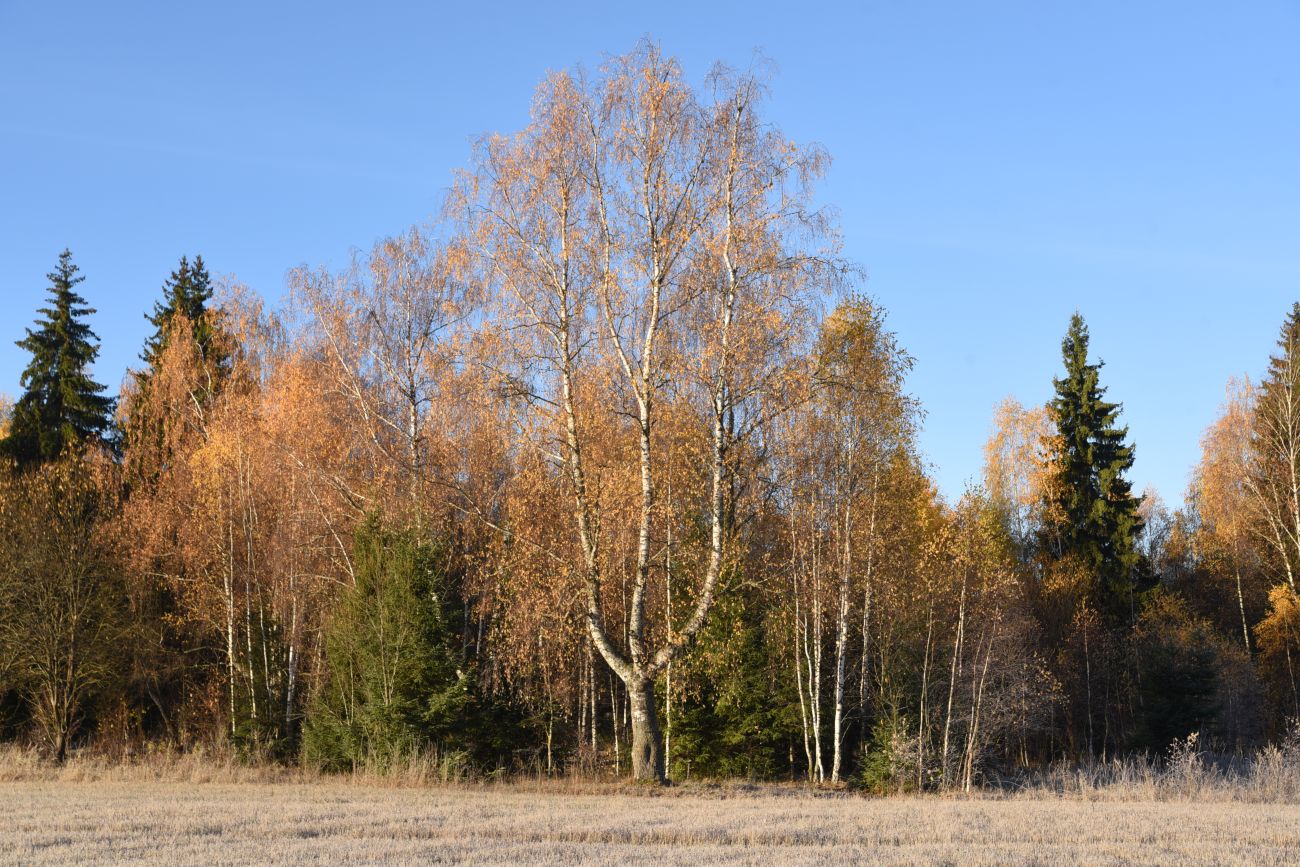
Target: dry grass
column 60, row 822
column 196, row 809
column 1185, row 773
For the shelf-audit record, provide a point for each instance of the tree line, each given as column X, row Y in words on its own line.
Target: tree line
column 614, row 470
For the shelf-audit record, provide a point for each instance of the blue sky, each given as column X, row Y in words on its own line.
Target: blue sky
column 997, row 165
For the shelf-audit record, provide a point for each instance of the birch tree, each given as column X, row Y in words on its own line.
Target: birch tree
column 1017, row 468
column 387, row 335
column 648, row 249
column 1221, row 495
column 864, row 417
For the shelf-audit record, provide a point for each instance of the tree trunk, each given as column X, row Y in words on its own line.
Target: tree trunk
column 230, row 623
column 591, row 682
column 1241, row 606
column 613, row 723
column 977, row 704
column 952, row 674
column 798, row 678
column 647, row 758
column 925, row 690
column 1087, row 676
column 864, row 729
column 841, row 649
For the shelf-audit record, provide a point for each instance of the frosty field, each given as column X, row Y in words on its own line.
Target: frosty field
column 104, row 822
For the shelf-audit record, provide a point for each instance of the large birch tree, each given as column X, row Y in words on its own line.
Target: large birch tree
column 652, row 251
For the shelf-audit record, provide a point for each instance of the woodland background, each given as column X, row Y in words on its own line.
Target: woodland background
column 614, row 470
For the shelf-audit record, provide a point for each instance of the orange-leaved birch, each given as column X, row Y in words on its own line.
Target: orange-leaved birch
column 1017, row 467
column 865, row 417
column 1221, row 492
column 387, row 334
column 648, row 252
column 6, row 414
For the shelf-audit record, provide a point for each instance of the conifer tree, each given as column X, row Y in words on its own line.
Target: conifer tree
column 181, row 313
column 1094, row 516
column 1274, row 453
column 395, row 684
column 61, row 405
column 187, row 292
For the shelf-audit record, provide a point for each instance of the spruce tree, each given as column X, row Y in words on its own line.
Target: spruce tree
column 181, row 312
column 394, row 683
column 61, row 405
column 187, row 292
column 1277, row 415
column 1274, row 461
column 1095, row 517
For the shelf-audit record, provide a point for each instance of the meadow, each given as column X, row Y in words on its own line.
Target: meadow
column 198, row 811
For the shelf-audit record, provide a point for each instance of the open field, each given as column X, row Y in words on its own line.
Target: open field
column 60, row 822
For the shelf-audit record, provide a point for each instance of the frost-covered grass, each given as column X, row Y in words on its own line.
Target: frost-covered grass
column 167, row 808
column 322, row 822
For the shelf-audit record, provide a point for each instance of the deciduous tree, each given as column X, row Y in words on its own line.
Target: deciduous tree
column 62, row 601
column 647, row 250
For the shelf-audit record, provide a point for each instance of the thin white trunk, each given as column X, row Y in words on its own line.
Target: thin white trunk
column 952, row 674
column 613, row 714
column 925, row 689
column 866, row 603
column 230, row 620
column 972, row 734
column 842, row 645
column 1241, row 606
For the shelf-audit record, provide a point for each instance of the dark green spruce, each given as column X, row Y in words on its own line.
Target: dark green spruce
column 186, row 292
column 1096, row 515
column 397, row 682
column 61, row 406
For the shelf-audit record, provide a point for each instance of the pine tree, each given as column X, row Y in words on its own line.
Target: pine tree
column 1094, row 514
column 187, row 292
column 61, row 405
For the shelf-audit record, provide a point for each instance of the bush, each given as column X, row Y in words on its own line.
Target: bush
column 888, row 761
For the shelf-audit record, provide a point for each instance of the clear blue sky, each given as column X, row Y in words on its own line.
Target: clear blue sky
column 996, row 166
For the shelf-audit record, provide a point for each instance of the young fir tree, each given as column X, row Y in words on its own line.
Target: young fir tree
column 741, row 712
column 395, row 684
column 186, row 292
column 61, row 405
column 1094, row 515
